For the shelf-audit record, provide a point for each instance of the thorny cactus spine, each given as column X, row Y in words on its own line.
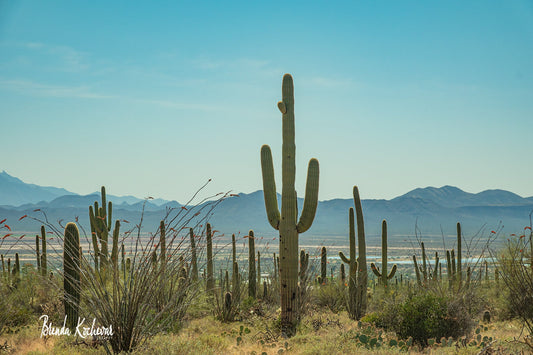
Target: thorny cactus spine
column 252, row 277
column 383, row 276
column 287, row 223
column 71, row 274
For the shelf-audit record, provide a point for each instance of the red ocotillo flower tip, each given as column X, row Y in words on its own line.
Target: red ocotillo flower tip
column 21, row 218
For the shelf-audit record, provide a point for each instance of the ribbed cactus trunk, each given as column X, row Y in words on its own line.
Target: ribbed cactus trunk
column 258, row 269
column 210, row 282
column 44, row 262
column 383, row 276
column 353, row 306
column 71, row 274
column 362, row 276
column 287, row 223
column 252, row 277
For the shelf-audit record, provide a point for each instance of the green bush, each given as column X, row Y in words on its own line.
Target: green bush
column 426, row 315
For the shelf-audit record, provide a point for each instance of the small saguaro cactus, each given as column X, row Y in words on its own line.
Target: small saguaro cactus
column 210, row 282
column 71, row 274
column 323, row 266
column 194, row 260
column 286, row 223
column 304, row 265
column 44, row 265
column 16, row 270
column 383, row 276
column 342, row 275
column 258, row 269
column 252, row 277
column 417, row 271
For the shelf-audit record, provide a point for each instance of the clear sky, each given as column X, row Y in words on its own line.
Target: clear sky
column 154, row 98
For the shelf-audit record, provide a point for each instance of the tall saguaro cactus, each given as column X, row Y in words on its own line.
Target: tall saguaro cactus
column 358, row 275
column 194, row 261
column 383, row 276
column 71, row 274
column 287, row 224
column 459, row 255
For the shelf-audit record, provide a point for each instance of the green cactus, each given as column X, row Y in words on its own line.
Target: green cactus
column 342, row 275
column 286, row 223
column 258, row 269
column 210, row 282
column 71, row 274
column 122, row 259
column 44, row 262
column 16, row 270
column 236, row 283
column 101, row 222
column 304, row 265
column 383, row 276
column 355, row 292
column 323, row 266
column 194, row 260
column 252, row 276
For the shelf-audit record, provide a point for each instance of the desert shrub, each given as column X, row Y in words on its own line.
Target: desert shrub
column 516, row 272
column 426, row 315
column 330, row 295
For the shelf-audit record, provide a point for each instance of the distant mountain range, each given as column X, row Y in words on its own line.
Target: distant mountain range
column 433, row 210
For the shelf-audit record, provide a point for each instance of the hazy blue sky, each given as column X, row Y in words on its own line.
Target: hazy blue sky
column 154, row 98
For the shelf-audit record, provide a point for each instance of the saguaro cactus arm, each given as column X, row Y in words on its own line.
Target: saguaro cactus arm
column 269, row 187
column 311, row 197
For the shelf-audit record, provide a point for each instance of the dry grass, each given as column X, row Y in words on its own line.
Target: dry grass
column 320, row 333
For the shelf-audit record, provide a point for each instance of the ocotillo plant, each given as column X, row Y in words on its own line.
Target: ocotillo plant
column 210, row 282
column 252, row 277
column 71, row 274
column 194, row 260
column 323, row 266
column 383, row 276
column 233, row 249
column 459, row 271
column 44, row 265
column 286, row 223
column 162, row 245
column 38, row 254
